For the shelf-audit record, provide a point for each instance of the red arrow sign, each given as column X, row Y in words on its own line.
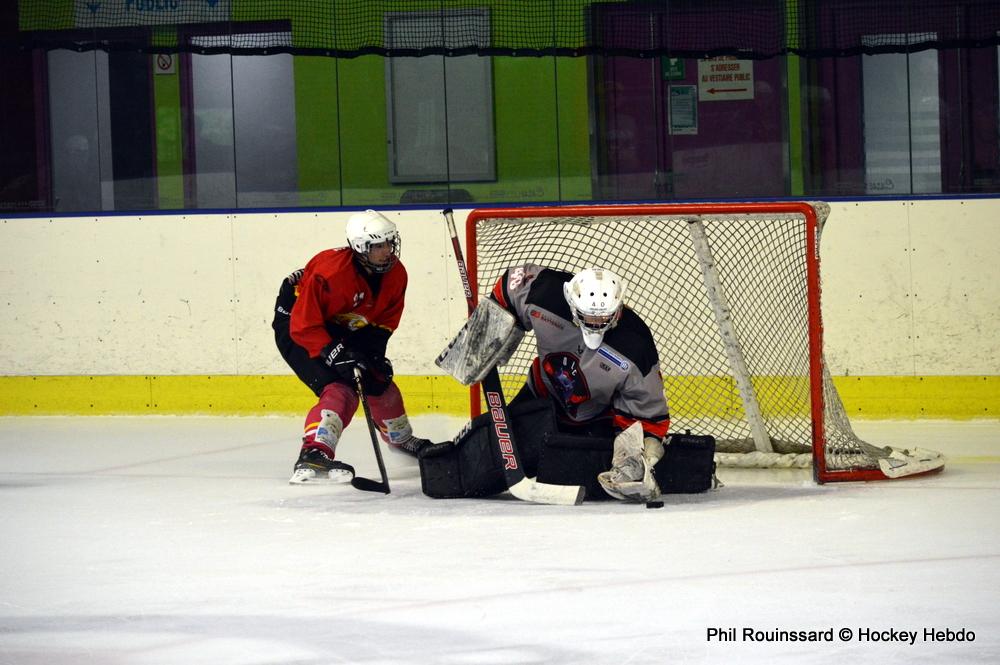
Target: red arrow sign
column 712, row 91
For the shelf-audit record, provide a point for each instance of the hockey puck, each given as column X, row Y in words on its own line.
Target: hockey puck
column 654, row 504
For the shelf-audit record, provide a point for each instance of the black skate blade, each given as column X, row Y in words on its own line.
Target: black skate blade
column 369, row 485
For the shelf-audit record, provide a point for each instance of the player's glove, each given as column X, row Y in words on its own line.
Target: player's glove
column 378, row 378
column 343, row 359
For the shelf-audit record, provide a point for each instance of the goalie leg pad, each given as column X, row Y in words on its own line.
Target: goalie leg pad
column 575, row 460
column 687, row 465
column 471, row 466
column 452, row 470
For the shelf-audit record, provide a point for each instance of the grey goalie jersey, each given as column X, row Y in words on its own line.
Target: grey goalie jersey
column 621, row 378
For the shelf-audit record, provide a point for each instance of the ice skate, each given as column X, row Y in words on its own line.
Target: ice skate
column 316, row 466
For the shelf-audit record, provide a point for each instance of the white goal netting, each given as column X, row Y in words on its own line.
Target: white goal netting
column 732, row 299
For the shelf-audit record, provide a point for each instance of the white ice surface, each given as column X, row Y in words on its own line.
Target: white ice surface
column 178, row 540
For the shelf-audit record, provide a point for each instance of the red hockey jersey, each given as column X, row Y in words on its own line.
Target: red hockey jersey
column 332, row 292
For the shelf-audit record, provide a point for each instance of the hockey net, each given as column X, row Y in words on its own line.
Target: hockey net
column 731, row 293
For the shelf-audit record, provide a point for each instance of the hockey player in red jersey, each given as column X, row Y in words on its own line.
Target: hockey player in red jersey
column 336, row 314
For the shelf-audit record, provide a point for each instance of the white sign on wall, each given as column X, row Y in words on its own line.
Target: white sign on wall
column 725, row 79
column 683, row 109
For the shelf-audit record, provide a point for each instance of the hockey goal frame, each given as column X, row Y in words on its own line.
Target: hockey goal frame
column 813, row 225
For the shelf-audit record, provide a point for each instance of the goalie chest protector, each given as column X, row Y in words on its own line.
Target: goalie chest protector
column 687, row 465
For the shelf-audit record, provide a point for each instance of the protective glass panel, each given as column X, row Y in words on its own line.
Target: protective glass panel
column 78, row 94
column 902, row 133
column 244, row 124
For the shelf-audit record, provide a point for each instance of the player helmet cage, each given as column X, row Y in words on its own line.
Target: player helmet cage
column 367, row 229
column 595, row 299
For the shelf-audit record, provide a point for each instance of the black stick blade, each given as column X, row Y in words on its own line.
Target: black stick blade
column 369, row 485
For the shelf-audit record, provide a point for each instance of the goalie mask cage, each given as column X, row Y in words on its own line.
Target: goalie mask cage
column 731, row 293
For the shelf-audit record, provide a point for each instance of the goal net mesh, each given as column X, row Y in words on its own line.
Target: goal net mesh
column 761, row 262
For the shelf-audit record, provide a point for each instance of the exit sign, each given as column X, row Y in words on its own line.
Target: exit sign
column 673, row 68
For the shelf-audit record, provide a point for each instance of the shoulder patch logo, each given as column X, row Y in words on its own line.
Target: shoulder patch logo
column 621, row 363
column 518, row 277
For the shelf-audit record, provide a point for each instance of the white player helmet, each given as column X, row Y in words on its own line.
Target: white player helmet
column 595, row 297
column 368, row 228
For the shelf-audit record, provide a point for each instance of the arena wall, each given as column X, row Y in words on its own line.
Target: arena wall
column 171, row 313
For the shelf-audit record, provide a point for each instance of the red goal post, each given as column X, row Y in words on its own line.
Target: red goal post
column 732, row 293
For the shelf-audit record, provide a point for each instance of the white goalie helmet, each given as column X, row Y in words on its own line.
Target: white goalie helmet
column 595, row 298
column 369, row 228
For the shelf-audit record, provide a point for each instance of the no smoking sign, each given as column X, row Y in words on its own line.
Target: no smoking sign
column 164, row 63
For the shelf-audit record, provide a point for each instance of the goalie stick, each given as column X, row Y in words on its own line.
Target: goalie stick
column 367, row 484
column 518, row 484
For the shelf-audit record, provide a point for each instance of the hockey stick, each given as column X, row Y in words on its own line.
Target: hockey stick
column 367, row 484
column 518, row 484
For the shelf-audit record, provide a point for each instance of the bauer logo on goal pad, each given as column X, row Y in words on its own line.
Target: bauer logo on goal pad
column 500, row 427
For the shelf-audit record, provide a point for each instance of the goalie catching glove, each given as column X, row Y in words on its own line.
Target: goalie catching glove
column 631, row 475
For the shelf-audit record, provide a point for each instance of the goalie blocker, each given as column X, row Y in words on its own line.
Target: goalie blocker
column 470, row 467
column 487, row 340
